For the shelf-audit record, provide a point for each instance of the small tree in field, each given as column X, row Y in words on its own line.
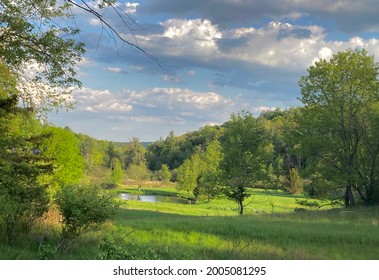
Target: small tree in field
column 243, row 149
column 138, row 172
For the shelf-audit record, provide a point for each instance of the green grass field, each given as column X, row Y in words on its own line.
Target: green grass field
column 270, row 229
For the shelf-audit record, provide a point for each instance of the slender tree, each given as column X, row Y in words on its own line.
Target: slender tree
column 243, row 149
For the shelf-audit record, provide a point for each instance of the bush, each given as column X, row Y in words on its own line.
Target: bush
column 110, row 250
column 83, row 208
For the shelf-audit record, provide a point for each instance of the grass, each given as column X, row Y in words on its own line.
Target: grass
column 269, row 230
column 328, row 234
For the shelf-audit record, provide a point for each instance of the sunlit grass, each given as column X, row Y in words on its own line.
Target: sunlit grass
column 270, row 229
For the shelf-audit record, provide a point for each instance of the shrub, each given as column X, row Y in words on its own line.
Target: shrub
column 83, row 208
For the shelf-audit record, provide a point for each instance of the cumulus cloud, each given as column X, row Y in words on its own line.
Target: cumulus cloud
column 157, row 104
column 350, row 16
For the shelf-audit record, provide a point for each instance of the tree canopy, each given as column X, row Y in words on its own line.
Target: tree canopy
column 341, row 100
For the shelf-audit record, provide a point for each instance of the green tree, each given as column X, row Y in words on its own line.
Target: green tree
column 139, row 173
column 63, row 148
column 117, row 173
column 338, row 96
column 22, row 198
column 243, row 146
column 188, row 174
column 164, row 173
column 134, row 153
column 209, row 180
column 292, row 182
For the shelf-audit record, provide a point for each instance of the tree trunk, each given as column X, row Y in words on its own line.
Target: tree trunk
column 240, row 207
column 349, row 198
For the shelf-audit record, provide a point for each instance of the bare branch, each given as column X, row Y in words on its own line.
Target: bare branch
column 113, row 32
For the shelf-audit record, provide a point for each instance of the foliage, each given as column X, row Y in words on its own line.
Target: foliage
column 189, row 172
column 110, row 250
column 50, row 47
column 209, row 181
column 63, row 148
column 341, row 98
column 38, row 43
column 242, row 161
column 174, row 150
column 83, row 208
column 134, row 153
column 138, row 172
column 164, row 173
column 201, row 173
column 292, row 182
column 117, row 173
column 22, row 199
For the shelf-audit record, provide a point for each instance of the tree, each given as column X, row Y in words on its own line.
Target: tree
column 338, row 96
column 134, row 153
column 63, row 148
column 164, row 173
column 243, row 146
column 292, row 182
column 38, row 34
column 188, row 174
column 117, row 173
column 138, row 172
column 209, row 180
column 22, row 198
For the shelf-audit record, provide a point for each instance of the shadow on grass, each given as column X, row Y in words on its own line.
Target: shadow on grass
column 325, row 235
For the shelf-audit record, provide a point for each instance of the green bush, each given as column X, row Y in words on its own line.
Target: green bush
column 83, row 208
column 110, row 250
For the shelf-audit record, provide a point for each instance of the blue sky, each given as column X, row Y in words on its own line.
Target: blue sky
column 217, row 57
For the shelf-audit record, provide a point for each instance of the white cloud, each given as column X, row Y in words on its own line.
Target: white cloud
column 278, row 44
column 350, row 16
column 130, row 8
column 114, row 69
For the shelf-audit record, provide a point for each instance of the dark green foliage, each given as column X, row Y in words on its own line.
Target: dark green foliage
column 174, row 150
column 22, row 198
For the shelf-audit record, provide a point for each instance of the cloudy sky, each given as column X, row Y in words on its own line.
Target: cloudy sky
column 215, row 57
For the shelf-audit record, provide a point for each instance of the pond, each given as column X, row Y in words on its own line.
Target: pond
column 154, row 198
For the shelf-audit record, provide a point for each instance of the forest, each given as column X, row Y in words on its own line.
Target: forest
column 60, row 190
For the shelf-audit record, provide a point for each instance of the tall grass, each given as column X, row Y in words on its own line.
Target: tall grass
column 271, row 229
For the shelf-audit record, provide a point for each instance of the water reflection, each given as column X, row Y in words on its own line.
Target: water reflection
column 154, row 198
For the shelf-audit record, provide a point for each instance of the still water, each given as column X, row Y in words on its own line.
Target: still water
column 154, row 198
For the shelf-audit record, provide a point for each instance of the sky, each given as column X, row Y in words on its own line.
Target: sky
column 211, row 59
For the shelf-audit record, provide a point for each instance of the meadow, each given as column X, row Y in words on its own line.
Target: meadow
column 270, row 229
